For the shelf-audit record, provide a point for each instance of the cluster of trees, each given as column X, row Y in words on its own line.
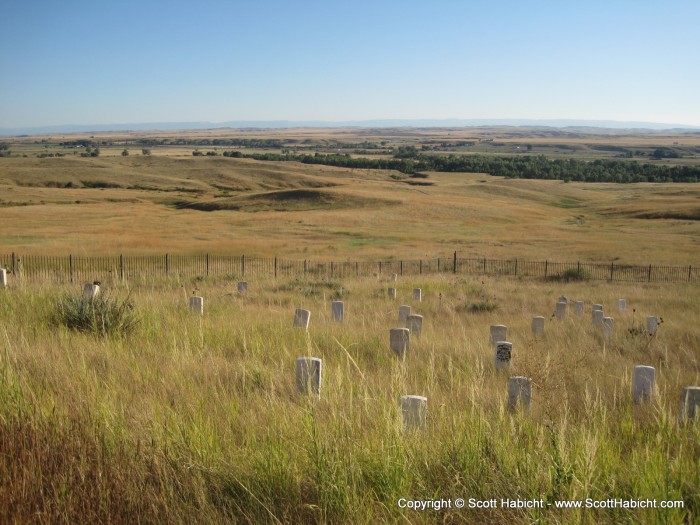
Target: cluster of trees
column 517, row 167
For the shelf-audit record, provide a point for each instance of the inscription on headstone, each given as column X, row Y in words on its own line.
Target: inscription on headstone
column 504, row 352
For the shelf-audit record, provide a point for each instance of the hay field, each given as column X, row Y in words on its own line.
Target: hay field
column 159, row 204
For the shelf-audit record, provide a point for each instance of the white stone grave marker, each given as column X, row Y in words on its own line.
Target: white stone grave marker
column 399, row 340
column 414, row 410
column 597, row 317
column 308, row 375
column 394, row 277
column 652, row 324
column 538, row 325
column 608, row 326
column 91, row 290
column 392, row 293
column 690, row 402
column 417, row 294
column 519, row 389
column 578, row 308
column 563, row 299
column 404, row 312
column 3, row 277
column 561, row 310
column 338, row 310
column 414, row 323
column 242, row 287
column 302, row 318
column 499, row 332
column 503, row 354
column 622, row 305
column 197, row 304
column 643, row 383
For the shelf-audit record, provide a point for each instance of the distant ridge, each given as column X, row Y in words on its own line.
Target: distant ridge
column 379, row 123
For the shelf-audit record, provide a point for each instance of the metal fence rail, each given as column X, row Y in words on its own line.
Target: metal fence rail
column 82, row 268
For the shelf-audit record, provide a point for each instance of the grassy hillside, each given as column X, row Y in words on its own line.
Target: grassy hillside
column 191, row 419
column 155, row 204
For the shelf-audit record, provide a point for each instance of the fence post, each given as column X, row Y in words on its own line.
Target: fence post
column 690, row 269
column 649, row 275
column 243, row 265
column 546, row 263
column 70, row 267
column 14, row 263
column 516, row 267
column 484, row 265
column 305, row 267
column 454, row 263
column 357, row 269
column 332, row 269
column 167, row 264
column 612, row 269
column 380, row 267
column 206, row 263
column 438, row 271
column 275, row 266
column 401, row 267
column 420, row 267
column 121, row 267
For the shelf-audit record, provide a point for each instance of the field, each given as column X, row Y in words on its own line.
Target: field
column 186, row 418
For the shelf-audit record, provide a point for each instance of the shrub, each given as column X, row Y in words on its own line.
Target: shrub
column 101, row 315
column 573, row 274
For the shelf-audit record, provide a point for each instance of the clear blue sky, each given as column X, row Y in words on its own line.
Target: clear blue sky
column 80, row 62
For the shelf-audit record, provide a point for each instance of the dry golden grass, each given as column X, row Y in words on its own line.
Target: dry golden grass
column 133, row 205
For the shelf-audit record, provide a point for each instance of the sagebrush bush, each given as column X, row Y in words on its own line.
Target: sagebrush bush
column 102, row 315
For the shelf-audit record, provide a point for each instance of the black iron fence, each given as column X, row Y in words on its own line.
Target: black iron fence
column 81, row 268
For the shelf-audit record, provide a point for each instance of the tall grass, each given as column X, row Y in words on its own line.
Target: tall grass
column 195, row 419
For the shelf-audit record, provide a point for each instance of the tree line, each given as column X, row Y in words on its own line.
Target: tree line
column 515, row 167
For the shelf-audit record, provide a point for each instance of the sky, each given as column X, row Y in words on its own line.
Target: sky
column 80, row 62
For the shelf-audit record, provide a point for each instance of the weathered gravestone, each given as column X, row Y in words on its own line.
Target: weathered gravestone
column 338, row 310
column 561, row 310
column 392, row 293
column 3, row 277
column 690, row 403
column 597, row 317
column 399, row 340
column 415, row 411
column 503, row 354
column 242, row 286
column 417, row 294
column 301, row 318
column 414, row 323
column 608, row 326
column 91, row 290
column 519, row 390
column 578, row 308
column 197, row 304
column 622, row 305
column 652, row 324
column 643, row 383
column 308, row 375
column 538, row 325
column 404, row 312
column 498, row 332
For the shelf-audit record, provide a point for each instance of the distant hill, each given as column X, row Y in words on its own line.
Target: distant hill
column 386, row 123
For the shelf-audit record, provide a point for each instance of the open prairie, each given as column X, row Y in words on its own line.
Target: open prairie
column 183, row 204
column 131, row 408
